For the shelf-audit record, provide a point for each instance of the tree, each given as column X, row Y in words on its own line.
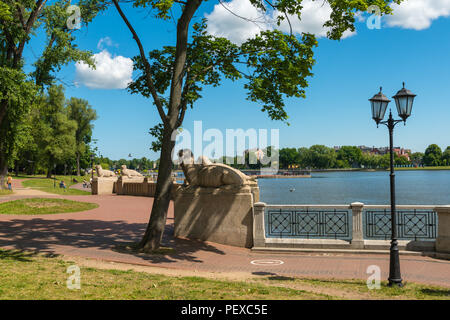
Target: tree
column 19, row 22
column 401, row 160
column 304, row 157
column 276, row 66
column 56, row 132
column 288, row 156
column 350, row 156
column 433, row 156
column 417, row 158
column 446, row 157
column 322, row 157
column 82, row 113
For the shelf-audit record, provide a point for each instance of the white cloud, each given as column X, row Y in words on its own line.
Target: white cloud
column 110, row 73
column 222, row 23
column 106, row 41
column 418, row 14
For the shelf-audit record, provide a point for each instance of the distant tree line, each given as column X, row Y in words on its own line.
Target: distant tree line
column 323, row 157
column 143, row 164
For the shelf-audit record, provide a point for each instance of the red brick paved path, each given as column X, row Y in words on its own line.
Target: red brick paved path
column 119, row 219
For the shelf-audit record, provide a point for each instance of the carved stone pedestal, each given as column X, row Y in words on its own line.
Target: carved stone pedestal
column 222, row 215
column 103, row 185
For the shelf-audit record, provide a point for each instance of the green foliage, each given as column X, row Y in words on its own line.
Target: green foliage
column 349, row 156
column 288, row 156
column 162, row 7
column 446, row 157
column 82, row 113
column 5, row 13
column 433, row 156
column 20, row 21
column 16, row 96
column 279, row 65
column 60, row 48
column 342, row 17
column 322, row 157
column 55, row 131
column 105, row 166
column 157, row 133
column 417, row 158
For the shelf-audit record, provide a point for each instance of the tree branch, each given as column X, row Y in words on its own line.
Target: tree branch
column 20, row 14
column 30, row 22
column 183, row 104
column 147, row 71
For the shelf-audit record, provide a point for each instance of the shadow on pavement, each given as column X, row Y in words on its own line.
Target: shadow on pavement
column 43, row 235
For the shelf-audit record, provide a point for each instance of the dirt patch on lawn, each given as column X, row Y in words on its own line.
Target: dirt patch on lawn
column 335, row 293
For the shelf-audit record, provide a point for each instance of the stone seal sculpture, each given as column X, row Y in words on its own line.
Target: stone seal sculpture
column 204, row 173
column 130, row 173
column 104, row 173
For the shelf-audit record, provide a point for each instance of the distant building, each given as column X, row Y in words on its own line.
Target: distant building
column 401, row 152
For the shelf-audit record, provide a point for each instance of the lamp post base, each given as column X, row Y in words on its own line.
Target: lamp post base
column 395, row 278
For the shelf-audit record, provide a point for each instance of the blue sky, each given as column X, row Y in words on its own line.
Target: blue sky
column 336, row 111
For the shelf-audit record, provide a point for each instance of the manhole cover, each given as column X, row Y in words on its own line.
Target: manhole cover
column 266, row 262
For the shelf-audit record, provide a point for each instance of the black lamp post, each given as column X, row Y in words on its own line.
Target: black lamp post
column 404, row 101
column 54, row 175
column 92, row 166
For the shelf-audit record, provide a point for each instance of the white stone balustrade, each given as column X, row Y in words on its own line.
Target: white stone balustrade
column 439, row 243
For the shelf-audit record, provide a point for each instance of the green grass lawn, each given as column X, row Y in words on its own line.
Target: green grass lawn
column 34, row 206
column 52, row 185
column 5, row 192
column 30, row 276
column 425, row 168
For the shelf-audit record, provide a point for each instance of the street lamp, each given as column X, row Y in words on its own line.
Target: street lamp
column 92, row 166
column 54, row 175
column 404, row 101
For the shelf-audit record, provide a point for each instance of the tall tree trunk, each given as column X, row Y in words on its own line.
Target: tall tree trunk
column 155, row 228
column 78, row 164
column 49, row 171
column 3, row 160
column 3, row 170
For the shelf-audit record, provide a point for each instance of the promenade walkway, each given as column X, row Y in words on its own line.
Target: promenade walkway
column 123, row 219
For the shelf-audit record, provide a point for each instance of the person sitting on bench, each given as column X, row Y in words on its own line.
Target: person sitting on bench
column 62, row 184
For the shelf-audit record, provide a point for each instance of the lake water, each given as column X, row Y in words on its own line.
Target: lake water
column 412, row 187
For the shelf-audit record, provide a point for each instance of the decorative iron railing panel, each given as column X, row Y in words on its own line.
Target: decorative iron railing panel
column 308, row 224
column 411, row 224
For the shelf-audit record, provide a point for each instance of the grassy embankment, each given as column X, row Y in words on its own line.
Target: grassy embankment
column 30, row 276
column 52, row 185
column 6, row 192
column 425, row 168
column 35, row 206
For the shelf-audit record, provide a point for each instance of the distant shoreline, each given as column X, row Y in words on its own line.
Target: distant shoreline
column 444, row 168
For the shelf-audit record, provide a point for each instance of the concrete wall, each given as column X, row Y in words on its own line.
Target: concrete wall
column 103, row 185
column 443, row 239
column 139, row 187
column 222, row 215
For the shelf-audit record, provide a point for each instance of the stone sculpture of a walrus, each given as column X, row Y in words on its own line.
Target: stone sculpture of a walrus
column 204, row 173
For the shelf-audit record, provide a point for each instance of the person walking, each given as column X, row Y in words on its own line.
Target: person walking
column 9, row 183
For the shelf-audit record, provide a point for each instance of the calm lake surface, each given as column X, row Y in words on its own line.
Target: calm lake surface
column 412, row 187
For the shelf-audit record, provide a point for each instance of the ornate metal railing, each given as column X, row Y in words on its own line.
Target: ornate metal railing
column 307, row 223
column 357, row 226
column 411, row 224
